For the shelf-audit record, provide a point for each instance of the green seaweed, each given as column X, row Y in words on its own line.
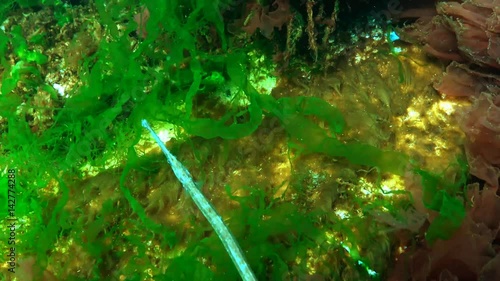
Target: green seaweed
column 443, row 197
column 100, row 121
column 292, row 113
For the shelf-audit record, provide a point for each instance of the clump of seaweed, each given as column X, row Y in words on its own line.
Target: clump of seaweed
column 466, row 34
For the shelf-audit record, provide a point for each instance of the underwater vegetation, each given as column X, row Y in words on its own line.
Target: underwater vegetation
column 466, row 35
column 311, row 141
